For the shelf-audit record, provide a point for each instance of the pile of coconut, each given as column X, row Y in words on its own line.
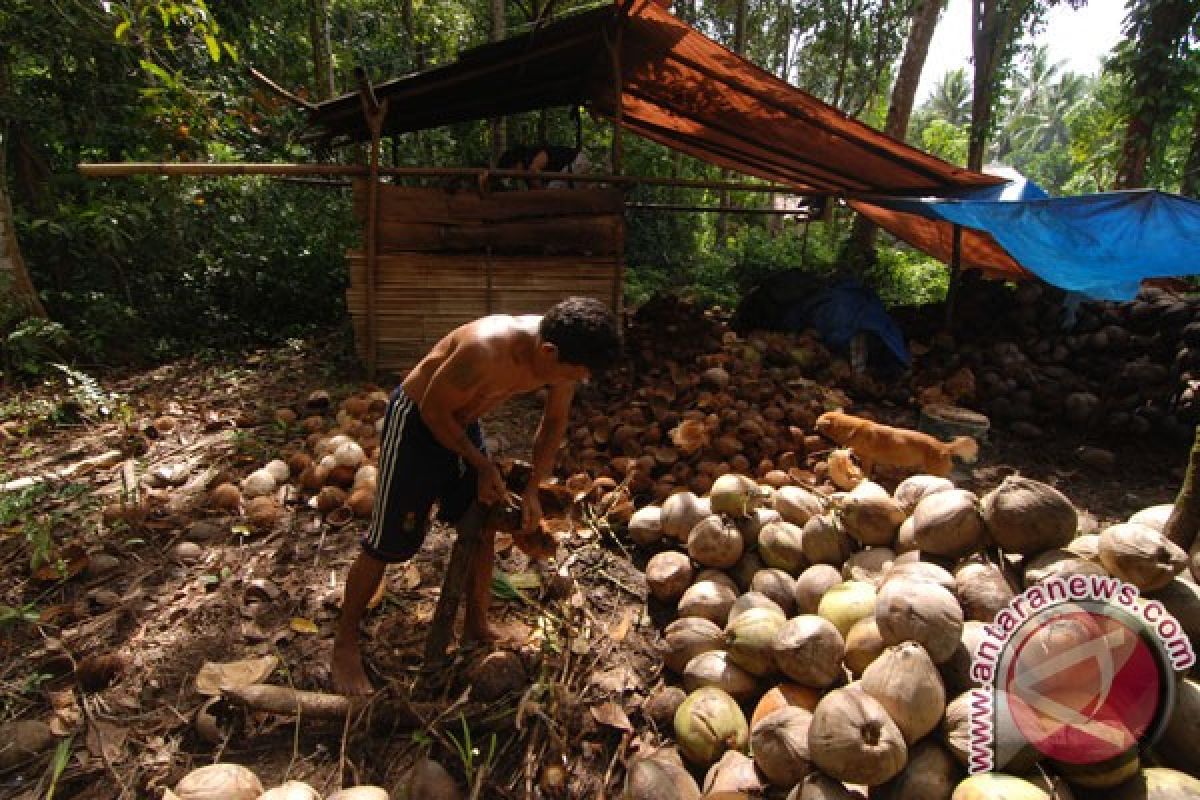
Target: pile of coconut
column 822, row 643
column 427, row 779
column 332, row 465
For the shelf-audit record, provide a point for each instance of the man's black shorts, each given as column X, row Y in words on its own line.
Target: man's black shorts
column 415, row 471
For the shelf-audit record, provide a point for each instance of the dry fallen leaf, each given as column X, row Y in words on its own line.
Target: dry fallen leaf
column 302, row 625
column 213, row 678
column 612, row 715
column 106, row 740
column 410, row 578
column 621, row 630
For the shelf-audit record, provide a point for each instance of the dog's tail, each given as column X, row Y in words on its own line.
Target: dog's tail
column 965, row 448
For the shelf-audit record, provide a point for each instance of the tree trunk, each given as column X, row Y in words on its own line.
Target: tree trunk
column 318, row 34
column 1189, row 185
column 1185, row 519
column 1169, row 22
column 844, row 60
column 861, row 245
column 14, row 277
column 496, row 126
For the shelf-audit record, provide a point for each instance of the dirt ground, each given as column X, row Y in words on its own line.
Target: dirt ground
column 150, row 586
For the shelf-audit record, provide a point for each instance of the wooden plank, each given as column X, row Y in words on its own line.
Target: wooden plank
column 412, row 204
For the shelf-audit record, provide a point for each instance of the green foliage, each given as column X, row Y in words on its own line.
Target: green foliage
column 903, row 276
column 37, row 511
column 946, row 141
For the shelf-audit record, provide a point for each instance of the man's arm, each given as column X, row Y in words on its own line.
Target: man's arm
column 450, row 389
column 546, row 442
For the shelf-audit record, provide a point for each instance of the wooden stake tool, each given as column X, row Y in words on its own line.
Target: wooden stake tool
column 441, row 628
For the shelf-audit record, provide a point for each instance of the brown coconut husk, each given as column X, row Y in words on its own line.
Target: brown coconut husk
column 779, row 742
column 780, row 545
column 749, row 638
column 709, row 599
column 864, row 644
column 914, row 488
column 1140, row 555
column 907, row 684
column 808, row 650
column 687, row 638
column 824, row 541
column 716, row 669
column 715, row 542
column 932, row 773
column 812, row 585
column 921, row 612
column 668, row 575
column 1178, row 745
column 982, row 589
column 948, row 524
column 853, row 739
column 1058, row 562
column 777, row 585
column 1026, row 516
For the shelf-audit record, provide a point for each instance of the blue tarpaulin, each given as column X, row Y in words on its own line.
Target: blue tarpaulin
column 1101, row 245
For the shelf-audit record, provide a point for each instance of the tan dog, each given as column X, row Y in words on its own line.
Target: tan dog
column 875, row 444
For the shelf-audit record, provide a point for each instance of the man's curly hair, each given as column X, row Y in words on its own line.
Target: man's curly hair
column 584, row 331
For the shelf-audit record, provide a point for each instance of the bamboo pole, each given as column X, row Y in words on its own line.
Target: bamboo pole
column 375, row 112
column 782, row 212
column 127, row 169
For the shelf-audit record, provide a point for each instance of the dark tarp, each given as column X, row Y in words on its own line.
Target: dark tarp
column 679, row 88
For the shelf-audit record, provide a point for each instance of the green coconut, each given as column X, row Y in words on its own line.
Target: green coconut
column 997, row 786
column 750, row 637
column 707, row 724
column 847, row 603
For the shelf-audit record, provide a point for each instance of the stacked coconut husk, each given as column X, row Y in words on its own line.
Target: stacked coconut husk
column 822, row 643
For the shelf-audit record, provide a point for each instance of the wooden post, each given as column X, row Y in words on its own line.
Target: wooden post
column 955, row 276
column 454, row 582
column 614, row 52
column 375, row 112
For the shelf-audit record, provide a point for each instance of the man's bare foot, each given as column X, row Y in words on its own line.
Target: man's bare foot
column 347, row 673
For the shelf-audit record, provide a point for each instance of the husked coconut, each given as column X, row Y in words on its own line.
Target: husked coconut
column 660, row 707
column 907, row 684
column 780, row 546
column 956, row 670
column 808, row 649
column 914, row 488
column 258, row 483
column 734, row 775
column 715, row 542
column 735, row 495
column 1086, row 546
column 997, row 786
column 871, row 521
column 847, row 603
column 1178, row 744
column 921, row 612
column 1058, row 563
column 1157, row 783
column 715, row 668
column 752, row 524
column 818, row 786
column 796, row 505
column 948, row 523
column 777, row 585
column 1140, row 555
column 656, row 778
column 782, row 696
column 709, row 599
column 812, row 585
column 219, row 782
column 645, row 526
column 780, row 745
column 430, row 779
column 1103, row 774
column 1026, row 516
column 931, row 774
column 863, row 645
column 749, row 638
column 1182, row 600
column 668, row 575
column 869, row 565
column 688, row 637
column 1153, row 517
column 853, row 739
column 824, row 542
column 707, row 724
column 906, row 537
column 920, row 571
column 982, row 590
column 680, row 513
column 752, row 599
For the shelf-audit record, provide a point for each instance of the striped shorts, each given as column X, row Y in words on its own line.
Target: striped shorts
column 416, row 471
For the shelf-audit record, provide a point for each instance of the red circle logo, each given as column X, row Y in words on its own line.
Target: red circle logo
column 1083, row 686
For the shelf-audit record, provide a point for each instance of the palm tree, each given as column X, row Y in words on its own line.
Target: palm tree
column 951, row 98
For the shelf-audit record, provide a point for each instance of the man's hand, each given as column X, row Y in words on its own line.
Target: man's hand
column 531, row 510
column 491, row 486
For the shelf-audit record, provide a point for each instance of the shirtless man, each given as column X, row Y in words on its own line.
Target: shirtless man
column 432, row 448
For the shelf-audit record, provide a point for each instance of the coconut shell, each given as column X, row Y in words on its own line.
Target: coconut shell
column 715, row 668
column 780, row 546
column 782, row 696
column 1026, row 516
column 657, row 778
column 982, row 590
column 932, row 773
column 733, row 776
column 863, row 645
column 688, row 637
column 715, row 542
column 780, row 745
column 680, row 513
column 779, row 586
column 907, row 684
column 812, row 585
column 796, row 505
column 709, row 599
column 847, row 603
column 1140, row 555
column 853, row 739
column 921, row 612
column 869, row 565
column 997, row 786
column 668, row 575
column 915, row 487
column 749, row 638
column 753, row 599
column 824, row 542
column 809, row 650
column 645, row 526
column 1157, row 783
column 707, row 724
column 948, row 524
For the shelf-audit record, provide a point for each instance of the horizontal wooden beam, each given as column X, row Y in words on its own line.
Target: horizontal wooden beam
column 121, row 170
column 720, row 209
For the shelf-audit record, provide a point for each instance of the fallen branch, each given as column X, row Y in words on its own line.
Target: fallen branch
column 78, row 469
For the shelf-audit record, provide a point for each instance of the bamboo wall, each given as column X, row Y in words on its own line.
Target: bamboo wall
column 445, row 258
